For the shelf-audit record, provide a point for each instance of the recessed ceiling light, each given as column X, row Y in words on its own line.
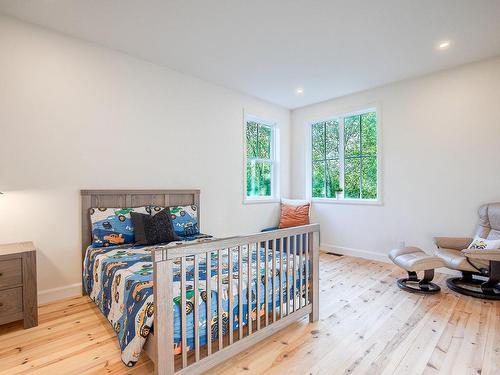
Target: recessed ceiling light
column 444, row 44
column 299, row 90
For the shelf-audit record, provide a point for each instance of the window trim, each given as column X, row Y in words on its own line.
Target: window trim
column 275, row 167
column 308, row 167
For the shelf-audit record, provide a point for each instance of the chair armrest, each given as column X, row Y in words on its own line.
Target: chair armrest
column 456, row 243
column 493, row 254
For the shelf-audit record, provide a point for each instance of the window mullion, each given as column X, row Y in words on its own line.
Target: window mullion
column 261, row 160
column 257, row 142
column 273, row 167
column 324, row 158
column 360, row 160
column 341, row 153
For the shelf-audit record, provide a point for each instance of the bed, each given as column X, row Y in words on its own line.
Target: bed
column 156, row 297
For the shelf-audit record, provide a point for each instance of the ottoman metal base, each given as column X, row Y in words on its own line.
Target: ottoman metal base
column 474, row 287
column 413, row 284
column 413, row 260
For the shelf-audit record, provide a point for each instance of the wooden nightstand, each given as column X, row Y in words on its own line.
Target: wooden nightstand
column 18, row 293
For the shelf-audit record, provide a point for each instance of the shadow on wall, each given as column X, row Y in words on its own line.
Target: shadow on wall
column 44, row 218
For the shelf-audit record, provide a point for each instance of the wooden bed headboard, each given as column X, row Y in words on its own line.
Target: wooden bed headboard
column 130, row 199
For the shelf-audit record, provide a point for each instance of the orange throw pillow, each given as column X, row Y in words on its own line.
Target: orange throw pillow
column 294, row 214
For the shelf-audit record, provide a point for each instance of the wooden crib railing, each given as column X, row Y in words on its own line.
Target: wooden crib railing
column 291, row 250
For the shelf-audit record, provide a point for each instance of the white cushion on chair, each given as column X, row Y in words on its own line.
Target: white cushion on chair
column 484, row 244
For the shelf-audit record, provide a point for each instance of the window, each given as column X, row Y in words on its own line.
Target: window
column 345, row 157
column 260, row 162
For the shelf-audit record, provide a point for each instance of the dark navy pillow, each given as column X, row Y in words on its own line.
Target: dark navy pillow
column 152, row 230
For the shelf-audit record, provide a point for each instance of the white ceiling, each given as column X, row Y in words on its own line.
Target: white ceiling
column 267, row 48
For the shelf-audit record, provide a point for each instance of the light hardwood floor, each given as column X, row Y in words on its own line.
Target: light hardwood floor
column 367, row 326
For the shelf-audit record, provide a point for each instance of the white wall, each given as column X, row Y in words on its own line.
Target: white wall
column 77, row 116
column 441, row 160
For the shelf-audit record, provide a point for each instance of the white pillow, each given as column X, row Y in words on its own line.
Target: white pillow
column 483, row 244
column 295, row 202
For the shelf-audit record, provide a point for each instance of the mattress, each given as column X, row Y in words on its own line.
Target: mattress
column 119, row 279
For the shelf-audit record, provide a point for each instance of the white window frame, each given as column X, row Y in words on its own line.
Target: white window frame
column 340, row 118
column 275, row 170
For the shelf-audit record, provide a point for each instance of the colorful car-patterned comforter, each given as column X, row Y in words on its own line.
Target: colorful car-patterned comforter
column 119, row 279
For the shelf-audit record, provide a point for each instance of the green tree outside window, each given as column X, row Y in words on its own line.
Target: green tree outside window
column 259, row 167
column 351, row 168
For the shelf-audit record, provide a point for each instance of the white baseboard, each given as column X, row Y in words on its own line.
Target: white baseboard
column 372, row 255
column 366, row 254
column 51, row 295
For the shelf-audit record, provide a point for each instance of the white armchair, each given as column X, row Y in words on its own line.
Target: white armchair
column 480, row 268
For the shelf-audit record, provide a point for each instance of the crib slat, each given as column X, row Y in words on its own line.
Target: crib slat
column 164, row 308
column 294, row 272
column 230, row 293
column 209, row 302
column 266, row 290
column 220, row 324
column 249, row 305
column 281, row 254
column 306, row 260
column 257, row 283
column 196, row 309
column 288, row 252
column 300, row 249
column 240, row 294
column 273, row 285
column 183, row 312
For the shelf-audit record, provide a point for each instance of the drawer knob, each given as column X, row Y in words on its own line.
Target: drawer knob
column 1, row 274
column 1, row 304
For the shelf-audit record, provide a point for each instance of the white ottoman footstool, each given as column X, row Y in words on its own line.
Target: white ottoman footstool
column 413, row 260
